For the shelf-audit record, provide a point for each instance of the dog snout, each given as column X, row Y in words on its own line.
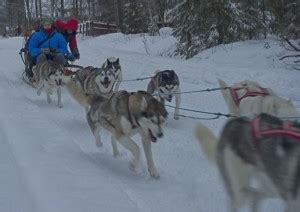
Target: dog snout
column 105, row 79
column 160, row 134
column 58, row 82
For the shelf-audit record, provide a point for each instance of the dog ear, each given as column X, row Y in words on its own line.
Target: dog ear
column 107, row 61
column 156, row 71
column 117, row 61
column 144, row 104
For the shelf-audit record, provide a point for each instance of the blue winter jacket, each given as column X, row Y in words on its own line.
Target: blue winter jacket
column 57, row 41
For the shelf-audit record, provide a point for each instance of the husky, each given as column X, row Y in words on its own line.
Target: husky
column 49, row 75
column 248, row 98
column 114, row 63
column 257, row 159
column 125, row 114
column 96, row 80
column 166, row 84
column 91, row 81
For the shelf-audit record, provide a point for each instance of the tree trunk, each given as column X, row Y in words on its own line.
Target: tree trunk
column 52, row 8
column 62, row 8
column 40, row 8
column 21, row 12
column 117, row 12
column 264, row 18
column 28, row 12
column 36, row 6
column 81, row 12
column 75, row 7
column 93, row 9
column 89, row 9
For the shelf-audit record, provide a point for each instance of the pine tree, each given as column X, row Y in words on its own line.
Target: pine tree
column 200, row 25
column 291, row 19
column 135, row 17
column 250, row 19
column 287, row 17
column 205, row 23
column 185, row 30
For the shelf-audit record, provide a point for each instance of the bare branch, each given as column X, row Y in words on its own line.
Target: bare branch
column 286, row 56
column 292, row 45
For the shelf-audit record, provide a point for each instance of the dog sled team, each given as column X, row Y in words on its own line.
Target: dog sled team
column 122, row 113
column 257, row 153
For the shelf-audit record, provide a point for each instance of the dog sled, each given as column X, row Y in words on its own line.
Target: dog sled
column 24, row 54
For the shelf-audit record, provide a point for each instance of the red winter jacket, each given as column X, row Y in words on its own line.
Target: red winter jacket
column 62, row 27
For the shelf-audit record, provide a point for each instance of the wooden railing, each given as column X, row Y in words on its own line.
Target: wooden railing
column 91, row 28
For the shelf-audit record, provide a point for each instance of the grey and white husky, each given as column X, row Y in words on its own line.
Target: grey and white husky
column 125, row 114
column 91, row 81
column 96, row 80
column 166, row 85
column 114, row 64
column 49, row 75
column 257, row 159
column 248, row 98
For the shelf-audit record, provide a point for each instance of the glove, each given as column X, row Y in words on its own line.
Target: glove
column 70, row 57
column 45, row 50
column 77, row 56
column 53, row 51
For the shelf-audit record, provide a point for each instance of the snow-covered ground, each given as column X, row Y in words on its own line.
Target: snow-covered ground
column 48, row 158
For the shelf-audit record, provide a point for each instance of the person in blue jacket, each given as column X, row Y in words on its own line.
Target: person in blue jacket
column 48, row 44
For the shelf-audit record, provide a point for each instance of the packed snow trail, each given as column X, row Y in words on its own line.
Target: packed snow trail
column 48, row 157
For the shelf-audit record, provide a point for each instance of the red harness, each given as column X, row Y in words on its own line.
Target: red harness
column 286, row 129
column 248, row 93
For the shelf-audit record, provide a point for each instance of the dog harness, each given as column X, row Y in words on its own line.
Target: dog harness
column 248, row 93
column 286, row 129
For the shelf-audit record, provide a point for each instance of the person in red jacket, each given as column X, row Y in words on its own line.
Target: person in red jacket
column 68, row 29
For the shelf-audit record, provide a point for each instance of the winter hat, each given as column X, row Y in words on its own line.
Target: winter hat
column 60, row 24
column 46, row 20
column 72, row 24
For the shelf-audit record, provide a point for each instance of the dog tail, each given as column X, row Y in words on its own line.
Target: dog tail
column 207, row 141
column 232, row 107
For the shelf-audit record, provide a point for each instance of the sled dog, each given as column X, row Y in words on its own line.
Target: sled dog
column 114, row 64
column 124, row 115
column 265, row 151
column 76, row 91
column 91, row 81
column 49, row 75
column 96, row 80
column 166, row 84
column 248, row 98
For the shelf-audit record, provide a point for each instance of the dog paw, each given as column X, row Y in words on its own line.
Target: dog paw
column 99, row 144
column 154, row 174
column 133, row 167
column 176, row 117
column 116, row 154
